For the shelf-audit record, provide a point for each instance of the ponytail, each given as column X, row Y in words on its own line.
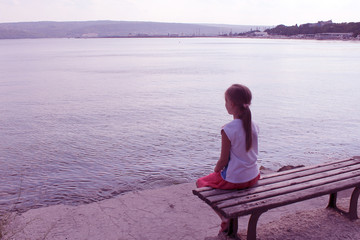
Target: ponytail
column 246, row 120
column 241, row 96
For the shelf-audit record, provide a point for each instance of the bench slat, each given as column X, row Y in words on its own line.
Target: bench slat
column 309, row 171
column 285, row 190
column 204, row 193
column 259, row 190
column 269, row 203
column 290, row 171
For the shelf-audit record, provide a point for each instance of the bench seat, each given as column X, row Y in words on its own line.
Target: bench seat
column 283, row 188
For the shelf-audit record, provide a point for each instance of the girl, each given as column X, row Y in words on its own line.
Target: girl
column 236, row 167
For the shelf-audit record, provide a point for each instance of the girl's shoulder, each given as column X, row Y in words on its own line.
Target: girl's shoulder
column 233, row 123
column 233, row 127
column 237, row 123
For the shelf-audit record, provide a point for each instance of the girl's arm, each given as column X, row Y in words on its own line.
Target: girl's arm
column 225, row 152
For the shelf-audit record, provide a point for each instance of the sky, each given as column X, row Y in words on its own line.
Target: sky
column 237, row 12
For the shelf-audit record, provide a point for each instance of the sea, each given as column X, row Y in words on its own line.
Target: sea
column 82, row 120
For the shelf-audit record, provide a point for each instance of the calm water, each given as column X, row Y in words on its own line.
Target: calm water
column 86, row 119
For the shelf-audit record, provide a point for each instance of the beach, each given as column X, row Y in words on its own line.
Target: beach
column 173, row 212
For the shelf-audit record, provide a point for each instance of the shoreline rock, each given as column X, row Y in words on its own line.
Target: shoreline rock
column 289, row 167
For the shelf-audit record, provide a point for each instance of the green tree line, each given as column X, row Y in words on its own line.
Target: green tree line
column 353, row 27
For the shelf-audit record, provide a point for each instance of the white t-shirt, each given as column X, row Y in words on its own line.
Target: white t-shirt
column 242, row 165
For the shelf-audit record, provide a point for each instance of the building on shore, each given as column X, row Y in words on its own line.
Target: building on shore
column 261, row 34
column 341, row 36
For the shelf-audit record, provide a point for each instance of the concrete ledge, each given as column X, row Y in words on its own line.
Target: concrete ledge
column 174, row 213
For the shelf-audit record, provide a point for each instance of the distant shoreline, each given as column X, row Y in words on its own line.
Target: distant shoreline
column 280, row 37
column 132, row 29
column 231, row 37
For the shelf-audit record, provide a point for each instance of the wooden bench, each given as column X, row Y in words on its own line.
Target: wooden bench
column 283, row 188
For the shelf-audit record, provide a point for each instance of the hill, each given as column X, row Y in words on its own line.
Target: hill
column 114, row 29
column 316, row 28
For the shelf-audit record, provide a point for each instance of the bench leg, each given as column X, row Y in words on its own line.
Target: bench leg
column 352, row 214
column 232, row 229
column 251, row 232
column 354, row 203
column 332, row 201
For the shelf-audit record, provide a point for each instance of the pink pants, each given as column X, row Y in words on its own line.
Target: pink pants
column 215, row 180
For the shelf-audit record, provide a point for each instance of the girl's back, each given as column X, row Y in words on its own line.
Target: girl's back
column 242, row 165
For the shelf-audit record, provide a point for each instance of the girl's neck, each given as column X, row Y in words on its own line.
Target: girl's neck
column 236, row 116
